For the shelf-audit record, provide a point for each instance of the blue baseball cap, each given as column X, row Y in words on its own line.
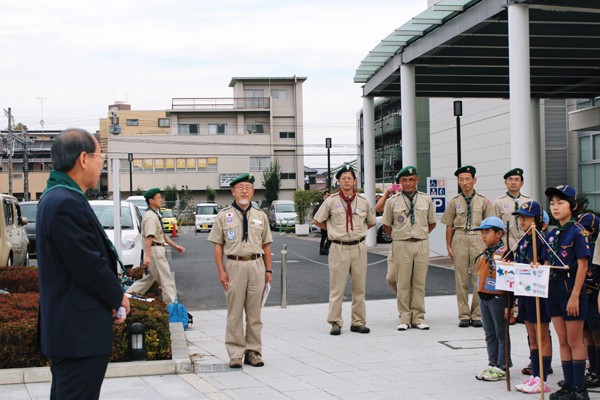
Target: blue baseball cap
column 590, row 222
column 529, row 209
column 489, row 223
column 545, row 217
column 563, row 191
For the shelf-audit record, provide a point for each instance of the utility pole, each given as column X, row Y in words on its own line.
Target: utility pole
column 25, row 165
column 115, row 129
column 10, row 151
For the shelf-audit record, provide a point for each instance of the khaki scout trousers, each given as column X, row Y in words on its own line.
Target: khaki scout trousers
column 390, row 278
column 466, row 248
column 344, row 260
column 246, row 286
column 158, row 271
column 411, row 261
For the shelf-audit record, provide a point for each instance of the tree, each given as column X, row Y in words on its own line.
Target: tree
column 304, row 201
column 211, row 194
column 271, row 181
column 169, row 196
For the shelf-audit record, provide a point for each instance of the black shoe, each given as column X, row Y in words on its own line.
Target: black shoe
column 477, row 323
column 359, row 329
column 564, row 393
column 579, row 394
column 335, row 329
column 323, row 253
column 592, row 380
column 550, row 371
column 464, row 323
column 561, row 383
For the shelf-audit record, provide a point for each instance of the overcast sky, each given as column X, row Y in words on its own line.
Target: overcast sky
column 79, row 57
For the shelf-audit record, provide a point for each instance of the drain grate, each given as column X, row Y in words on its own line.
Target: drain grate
column 466, row 344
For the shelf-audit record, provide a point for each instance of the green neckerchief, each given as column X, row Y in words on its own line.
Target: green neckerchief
column 489, row 252
column 412, row 205
column 555, row 245
column 516, row 199
column 58, row 179
column 469, row 223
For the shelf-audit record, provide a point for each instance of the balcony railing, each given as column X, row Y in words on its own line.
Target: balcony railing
column 220, row 103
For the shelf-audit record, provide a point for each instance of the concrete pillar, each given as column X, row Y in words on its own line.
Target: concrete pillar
column 521, row 136
column 369, row 159
column 536, row 154
column 409, row 115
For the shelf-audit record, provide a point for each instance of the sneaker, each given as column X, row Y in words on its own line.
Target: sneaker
column 564, row 393
column 420, row 326
column 592, row 380
column 253, row 358
column 536, row 387
column 579, row 394
column 359, row 329
column 526, row 370
column 528, row 382
column 480, row 375
column 402, row 327
column 495, row 374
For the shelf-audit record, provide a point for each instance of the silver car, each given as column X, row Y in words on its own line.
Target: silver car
column 14, row 244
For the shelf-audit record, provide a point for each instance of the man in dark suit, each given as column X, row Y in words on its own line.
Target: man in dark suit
column 79, row 290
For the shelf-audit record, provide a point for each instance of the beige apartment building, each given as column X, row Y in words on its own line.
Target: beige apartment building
column 206, row 142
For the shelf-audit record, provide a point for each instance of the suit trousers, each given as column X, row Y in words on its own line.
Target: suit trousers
column 160, row 272
column 343, row 261
column 466, row 248
column 77, row 378
column 246, row 286
column 411, row 260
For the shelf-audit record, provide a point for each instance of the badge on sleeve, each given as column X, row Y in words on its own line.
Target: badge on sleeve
column 230, row 234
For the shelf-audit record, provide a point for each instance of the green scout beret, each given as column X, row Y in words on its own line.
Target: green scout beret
column 467, row 168
column 406, row 171
column 345, row 168
column 242, row 178
column 150, row 193
column 514, row 172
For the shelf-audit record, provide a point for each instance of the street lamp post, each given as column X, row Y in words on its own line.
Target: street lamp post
column 328, row 146
column 458, row 114
column 130, row 158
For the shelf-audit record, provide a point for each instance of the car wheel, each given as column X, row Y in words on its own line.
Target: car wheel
column 26, row 263
column 383, row 237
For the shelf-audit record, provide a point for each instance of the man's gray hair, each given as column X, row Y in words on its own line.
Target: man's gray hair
column 67, row 147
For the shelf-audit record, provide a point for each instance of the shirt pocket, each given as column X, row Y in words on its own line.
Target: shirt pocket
column 421, row 215
column 338, row 216
column 256, row 233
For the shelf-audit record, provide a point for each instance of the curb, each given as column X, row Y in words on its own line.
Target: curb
column 179, row 363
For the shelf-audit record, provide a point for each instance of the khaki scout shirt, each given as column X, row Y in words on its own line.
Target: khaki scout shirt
column 504, row 206
column 455, row 215
column 333, row 211
column 228, row 230
column 397, row 215
column 152, row 226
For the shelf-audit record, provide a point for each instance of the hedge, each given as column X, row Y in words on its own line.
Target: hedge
column 19, row 279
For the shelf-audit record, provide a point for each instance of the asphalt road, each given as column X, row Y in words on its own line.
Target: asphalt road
column 307, row 274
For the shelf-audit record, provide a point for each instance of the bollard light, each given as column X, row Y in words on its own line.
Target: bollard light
column 137, row 348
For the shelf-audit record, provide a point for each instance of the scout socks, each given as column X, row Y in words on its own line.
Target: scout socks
column 578, row 374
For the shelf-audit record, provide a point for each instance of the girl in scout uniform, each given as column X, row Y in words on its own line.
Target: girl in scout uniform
column 567, row 302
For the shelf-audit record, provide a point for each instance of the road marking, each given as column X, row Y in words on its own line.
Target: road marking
column 290, row 261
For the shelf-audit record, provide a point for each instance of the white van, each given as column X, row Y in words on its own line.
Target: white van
column 206, row 213
column 282, row 213
column 139, row 202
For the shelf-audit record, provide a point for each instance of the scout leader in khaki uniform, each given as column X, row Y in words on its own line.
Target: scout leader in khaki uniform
column 505, row 206
column 242, row 237
column 464, row 213
column 409, row 217
column 155, row 255
column 347, row 216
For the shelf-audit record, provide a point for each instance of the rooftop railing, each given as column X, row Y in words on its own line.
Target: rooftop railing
column 220, row 103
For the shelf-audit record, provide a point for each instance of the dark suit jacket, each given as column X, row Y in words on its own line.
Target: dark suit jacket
column 78, row 278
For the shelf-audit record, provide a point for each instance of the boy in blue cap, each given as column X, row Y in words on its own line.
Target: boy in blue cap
column 567, row 302
column 492, row 302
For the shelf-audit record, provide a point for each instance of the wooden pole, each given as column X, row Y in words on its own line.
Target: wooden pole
column 508, row 304
column 538, row 330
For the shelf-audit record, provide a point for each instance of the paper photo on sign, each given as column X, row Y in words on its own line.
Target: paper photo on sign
column 522, row 279
column 266, row 293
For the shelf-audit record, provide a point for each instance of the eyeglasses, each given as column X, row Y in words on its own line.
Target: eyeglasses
column 243, row 188
column 101, row 155
column 513, row 180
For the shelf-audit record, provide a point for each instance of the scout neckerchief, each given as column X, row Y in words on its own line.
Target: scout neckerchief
column 555, row 245
column 469, row 210
column 159, row 218
column 488, row 254
column 58, row 179
column 413, row 199
column 244, row 220
column 348, row 201
column 522, row 252
column 516, row 199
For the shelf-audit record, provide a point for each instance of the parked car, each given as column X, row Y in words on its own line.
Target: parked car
column 206, row 213
column 132, row 244
column 29, row 211
column 168, row 219
column 282, row 213
column 14, row 244
column 140, row 202
column 382, row 237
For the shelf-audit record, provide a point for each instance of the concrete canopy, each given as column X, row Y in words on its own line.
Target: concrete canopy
column 459, row 48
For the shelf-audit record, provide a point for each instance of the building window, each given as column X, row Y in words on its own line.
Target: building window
column 287, row 135
column 254, row 128
column 589, row 167
column 288, row 175
column 164, row 122
column 254, row 98
column 133, row 122
column 207, row 164
column 137, row 165
column 159, row 165
column 217, row 129
column 259, row 163
column 187, row 129
column 169, row 164
column 279, row 94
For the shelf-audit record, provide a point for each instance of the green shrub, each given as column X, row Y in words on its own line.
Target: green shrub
column 19, row 279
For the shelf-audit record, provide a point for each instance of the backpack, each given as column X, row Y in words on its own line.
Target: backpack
column 178, row 313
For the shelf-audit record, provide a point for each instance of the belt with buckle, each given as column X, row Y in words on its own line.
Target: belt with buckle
column 245, row 258
column 411, row 240
column 352, row 243
column 157, row 244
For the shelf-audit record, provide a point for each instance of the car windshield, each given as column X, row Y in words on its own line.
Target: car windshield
column 105, row 214
column 206, row 210
column 29, row 211
column 167, row 213
column 139, row 203
column 285, row 208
